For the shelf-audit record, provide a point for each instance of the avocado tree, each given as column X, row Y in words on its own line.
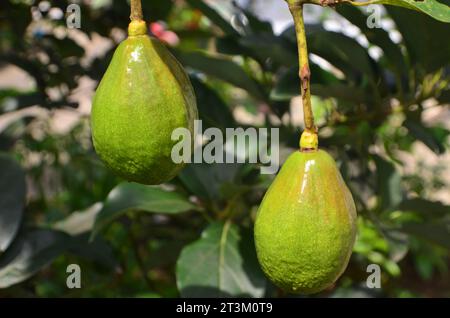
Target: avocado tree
column 193, row 236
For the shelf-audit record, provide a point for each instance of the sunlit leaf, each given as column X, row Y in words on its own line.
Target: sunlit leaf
column 132, row 196
column 222, row 263
column 433, row 8
column 79, row 222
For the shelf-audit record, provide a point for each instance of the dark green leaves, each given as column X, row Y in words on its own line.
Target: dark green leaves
column 264, row 48
column 426, row 209
column 343, row 52
column 133, row 196
column 221, row 263
column 323, row 84
column 389, row 187
column 211, row 108
column 12, row 199
column 377, row 36
column 427, row 220
column 213, row 15
column 29, row 253
column 79, row 222
column 34, row 250
column 98, row 251
column 425, row 135
column 437, row 233
column 433, row 8
column 223, row 69
column 425, row 42
column 205, row 180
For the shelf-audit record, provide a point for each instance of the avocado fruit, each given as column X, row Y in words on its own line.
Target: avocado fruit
column 144, row 95
column 306, row 224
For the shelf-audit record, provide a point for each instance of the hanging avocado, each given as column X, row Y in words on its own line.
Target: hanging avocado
column 144, row 95
column 306, row 224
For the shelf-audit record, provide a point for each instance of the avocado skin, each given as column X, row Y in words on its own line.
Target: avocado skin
column 306, row 224
column 144, row 95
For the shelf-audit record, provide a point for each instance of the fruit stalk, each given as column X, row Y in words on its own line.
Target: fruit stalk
column 296, row 8
column 136, row 11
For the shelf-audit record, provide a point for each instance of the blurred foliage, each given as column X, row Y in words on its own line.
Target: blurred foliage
column 195, row 239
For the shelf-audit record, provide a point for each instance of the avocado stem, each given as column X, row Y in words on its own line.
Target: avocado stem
column 137, row 25
column 136, row 10
column 296, row 8
column 309, row 141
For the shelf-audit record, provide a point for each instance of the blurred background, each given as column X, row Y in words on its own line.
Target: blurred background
column 381, row 101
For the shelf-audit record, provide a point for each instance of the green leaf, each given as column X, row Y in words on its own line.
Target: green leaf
column 12, row 199
column 389, row 187
column 213, row 16
column 343, row 52
column 323, row 84
column 98, row 251
column 221, row 68
column 132, row 196
column 288, row 84
column 433, row 8
column 79, row 222
column 268, row 46
column 212, row 109
column 438, row 233
column 257, row 25
column 222, row 263
column 377, row 36
column 268, row 50
column 424, row 266
column 440, row 134
column 30, row 253
column 428, row 209
column 340, row 91
column 425, row 135
column 423, row 38
column 205, row 180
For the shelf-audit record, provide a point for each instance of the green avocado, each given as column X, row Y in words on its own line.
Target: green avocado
column 144, row 95
column 306, row 224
